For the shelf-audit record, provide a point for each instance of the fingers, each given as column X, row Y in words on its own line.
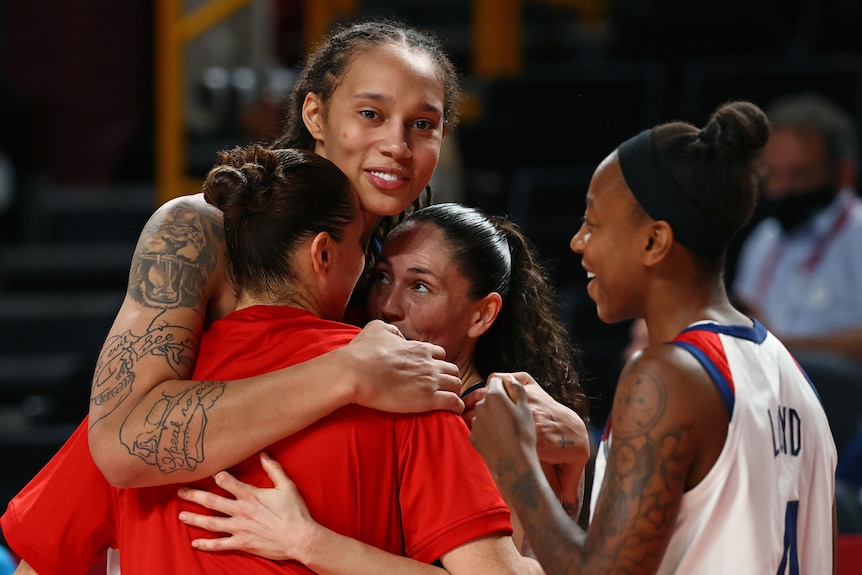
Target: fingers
column 521, row 377
column 275, row 471
column 507, row 385
column 220, row 544
column 515, row 390
column 208, row 522
column 474, row 397
column 447, row 400
column 208, row 500
column 233, row 485
column 379, row 325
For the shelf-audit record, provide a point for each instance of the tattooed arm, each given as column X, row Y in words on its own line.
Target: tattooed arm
column 151, row 425
column 562, row 446
column 665, row 420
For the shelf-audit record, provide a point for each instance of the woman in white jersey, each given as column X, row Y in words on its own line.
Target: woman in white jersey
column 717, row 457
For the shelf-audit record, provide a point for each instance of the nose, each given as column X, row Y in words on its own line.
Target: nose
column 577, row 242
column 389, row 306
column 394, row 141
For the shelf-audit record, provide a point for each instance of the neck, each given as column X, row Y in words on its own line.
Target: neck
column 469, row 376
column 292, row 299
column 371, row 223
column 666, row 317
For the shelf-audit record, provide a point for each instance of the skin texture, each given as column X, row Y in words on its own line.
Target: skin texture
column 24, row 569
column 275, row 523
column 321, row 286
column 383, row 128
column 668, row 421
column 384, row 122
column 419, row 290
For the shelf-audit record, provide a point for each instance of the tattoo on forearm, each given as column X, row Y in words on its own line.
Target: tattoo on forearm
column 173, row 436
column 115, row 370
column 544, row 538
column 174, row 258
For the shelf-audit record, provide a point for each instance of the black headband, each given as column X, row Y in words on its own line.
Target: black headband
column 658, row 193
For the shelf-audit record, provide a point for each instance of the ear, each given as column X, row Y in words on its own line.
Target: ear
column 321, row 253
column 485, row 314
column 312, row 115
column 658, row 242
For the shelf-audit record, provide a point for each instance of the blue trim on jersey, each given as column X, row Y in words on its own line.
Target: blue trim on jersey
column 721, row 383
column 808, row 379
column 755, row 333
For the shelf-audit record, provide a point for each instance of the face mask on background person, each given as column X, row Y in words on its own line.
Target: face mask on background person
column 795, row 209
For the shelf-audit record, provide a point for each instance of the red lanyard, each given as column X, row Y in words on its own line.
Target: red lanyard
column 817, row 252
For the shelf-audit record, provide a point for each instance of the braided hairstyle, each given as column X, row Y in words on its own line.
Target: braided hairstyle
column 327, row 64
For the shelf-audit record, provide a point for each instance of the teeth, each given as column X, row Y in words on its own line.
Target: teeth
column 590, row 275
column 385, row 176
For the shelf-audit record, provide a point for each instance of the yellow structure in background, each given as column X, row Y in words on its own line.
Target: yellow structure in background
column 497, row 52
column 173, row 31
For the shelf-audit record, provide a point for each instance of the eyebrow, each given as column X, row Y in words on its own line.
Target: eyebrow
column 418, row 270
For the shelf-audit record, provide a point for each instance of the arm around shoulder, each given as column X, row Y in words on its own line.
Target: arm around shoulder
column 150, row 424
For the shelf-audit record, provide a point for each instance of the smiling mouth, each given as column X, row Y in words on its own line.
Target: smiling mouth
column 384, row 176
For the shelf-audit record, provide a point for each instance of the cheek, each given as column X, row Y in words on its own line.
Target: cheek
column 373, row 302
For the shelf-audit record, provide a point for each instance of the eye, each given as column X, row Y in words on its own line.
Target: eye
column 425, row 125
column 420, row 287
column 369, row 114
column 380, row 277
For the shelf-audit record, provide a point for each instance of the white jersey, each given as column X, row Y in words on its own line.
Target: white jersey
column 765, row 507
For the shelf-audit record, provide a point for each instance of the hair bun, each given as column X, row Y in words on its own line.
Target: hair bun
column 736, row 130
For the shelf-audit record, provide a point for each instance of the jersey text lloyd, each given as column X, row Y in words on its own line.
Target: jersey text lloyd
column 786, row 431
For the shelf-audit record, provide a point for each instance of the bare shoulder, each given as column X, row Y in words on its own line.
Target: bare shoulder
column 178, row 253
column 665, row 396
column 658, row 431
column 176, row 282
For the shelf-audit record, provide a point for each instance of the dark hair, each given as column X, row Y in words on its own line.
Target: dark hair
column 820, row 114
column 326, row 65
column 493, row 255
column 272, row 200
column 720, row 167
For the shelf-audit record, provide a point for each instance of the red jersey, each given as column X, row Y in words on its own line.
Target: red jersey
column 408, row 483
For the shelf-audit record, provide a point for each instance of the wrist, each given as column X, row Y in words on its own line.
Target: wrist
column 340, row 372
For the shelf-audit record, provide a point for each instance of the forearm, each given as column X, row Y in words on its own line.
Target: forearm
column 334, row 554
column 554, row 537
column 182, row 431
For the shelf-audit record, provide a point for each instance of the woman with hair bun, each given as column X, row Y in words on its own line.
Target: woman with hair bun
column 717, row 457
column 473, row 284
column 295, row 240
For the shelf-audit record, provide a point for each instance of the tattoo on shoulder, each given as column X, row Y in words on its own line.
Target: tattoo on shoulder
column 115, row 370
column 645, row 465
column 173, row 436
column 639, row 404
column 175, row 256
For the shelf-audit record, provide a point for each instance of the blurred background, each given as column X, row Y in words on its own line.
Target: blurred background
column 108, row 109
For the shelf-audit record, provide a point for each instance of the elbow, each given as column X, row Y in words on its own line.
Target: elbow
column 117, row 468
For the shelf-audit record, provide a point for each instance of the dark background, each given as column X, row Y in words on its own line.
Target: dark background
column 77, row 130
